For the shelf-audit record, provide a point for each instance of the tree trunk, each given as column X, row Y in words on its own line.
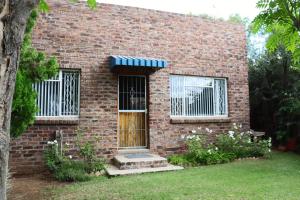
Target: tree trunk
column 285, row 74
column 13, row 18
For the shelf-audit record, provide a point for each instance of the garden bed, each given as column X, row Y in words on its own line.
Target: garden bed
column 236, row 144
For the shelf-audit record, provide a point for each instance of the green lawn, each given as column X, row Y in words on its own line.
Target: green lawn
column 276, row 178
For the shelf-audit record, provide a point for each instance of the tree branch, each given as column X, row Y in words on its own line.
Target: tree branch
column 290, row 13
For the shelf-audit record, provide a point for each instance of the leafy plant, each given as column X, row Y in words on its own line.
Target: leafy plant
column 52, row 157
column 88, row 153
column 181, row 159
column 228, row 147
column 201, row 153
column 34, row 66
column 70, row 171
column 242, row 144
column 66, row 169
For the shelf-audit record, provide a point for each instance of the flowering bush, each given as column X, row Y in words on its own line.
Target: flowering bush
column 65, row 168
column 229, row 146
column 243, row 144
column 52, row 157
column 199, row 153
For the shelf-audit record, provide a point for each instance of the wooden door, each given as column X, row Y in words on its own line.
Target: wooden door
column 132, row 112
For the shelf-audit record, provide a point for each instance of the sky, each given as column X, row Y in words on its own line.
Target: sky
column 215, row 8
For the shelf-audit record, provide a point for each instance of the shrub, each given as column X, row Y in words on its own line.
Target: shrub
column 97, row 165
column 52, row 157
column 88, row 153
column 182, row 160
column 201, row 153
column 71, row 171
column 242, row 144
column 235, row 144
column 63, row 168
column 66, row 169
column 211, row 157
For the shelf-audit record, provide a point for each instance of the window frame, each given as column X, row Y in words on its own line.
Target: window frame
column 60, row 80
column 226, row 115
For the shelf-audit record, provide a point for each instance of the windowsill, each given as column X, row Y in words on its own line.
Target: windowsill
column 194, row 120
column 57, row 120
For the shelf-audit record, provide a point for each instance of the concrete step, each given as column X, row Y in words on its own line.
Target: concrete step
column 133, row 151
column 112, row 170
column 139, row 160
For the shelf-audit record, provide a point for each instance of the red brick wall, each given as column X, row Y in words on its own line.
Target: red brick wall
column 84, row 39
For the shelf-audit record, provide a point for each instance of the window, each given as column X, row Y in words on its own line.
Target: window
column 198, row 96
column 59, row 96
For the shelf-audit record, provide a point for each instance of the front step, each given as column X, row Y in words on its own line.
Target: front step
column 126, row 163
column 114, row 171
column 133, row 151
column 139, row 160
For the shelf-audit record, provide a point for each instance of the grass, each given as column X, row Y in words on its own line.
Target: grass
column 276, row 178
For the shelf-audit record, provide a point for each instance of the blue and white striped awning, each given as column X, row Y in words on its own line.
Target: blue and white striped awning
column 128, row 62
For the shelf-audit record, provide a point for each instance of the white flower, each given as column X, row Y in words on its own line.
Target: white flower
column 70, row 156
column 207, row 129
column 182, row 136
column 55, row 141
column 269, row 150
column 234, row 126
column 67, row 144
column 242, row 133
column 231, row 134
column 249, row 141
column 190, row 137
column 193, row 131
column 216, row 149
column 49, row 142
column 209, row 151
column 210, row 131
column 241, row 125
column 200, row 128
column 270, row 142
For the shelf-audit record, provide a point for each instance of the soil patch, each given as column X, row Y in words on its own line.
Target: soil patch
column 33, row 187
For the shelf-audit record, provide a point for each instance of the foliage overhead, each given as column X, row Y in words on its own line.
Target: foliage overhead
column 281, row 20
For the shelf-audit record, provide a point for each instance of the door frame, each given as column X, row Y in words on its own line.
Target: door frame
column 146, row 114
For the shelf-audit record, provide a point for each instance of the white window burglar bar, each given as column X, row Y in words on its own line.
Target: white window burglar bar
column 198, row 96
column 59, row 96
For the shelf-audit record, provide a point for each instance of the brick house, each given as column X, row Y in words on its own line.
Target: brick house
column 137, row 78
